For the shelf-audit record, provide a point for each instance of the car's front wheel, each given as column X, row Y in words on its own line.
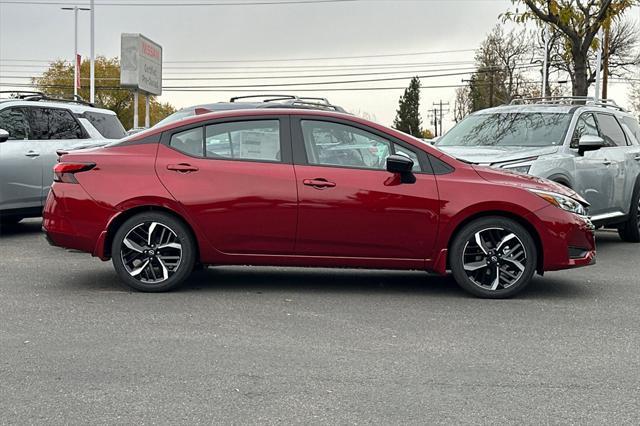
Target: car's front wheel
column 153, row 252
column 493, row 257
column 630, row 230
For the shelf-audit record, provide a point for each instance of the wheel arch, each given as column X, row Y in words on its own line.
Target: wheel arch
column 118, row 220
column 505, row 214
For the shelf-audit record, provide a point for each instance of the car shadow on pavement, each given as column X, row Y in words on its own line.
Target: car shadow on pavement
column 30, row 226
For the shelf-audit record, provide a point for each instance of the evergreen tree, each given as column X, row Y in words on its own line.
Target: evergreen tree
column 408, row 114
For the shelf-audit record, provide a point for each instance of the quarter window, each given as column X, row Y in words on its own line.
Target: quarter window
column 244, row 140
column 14, row 121
column 189, row 142
column 335, row 144
column 612, row 133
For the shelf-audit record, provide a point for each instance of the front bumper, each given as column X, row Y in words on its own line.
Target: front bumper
column 568, row 240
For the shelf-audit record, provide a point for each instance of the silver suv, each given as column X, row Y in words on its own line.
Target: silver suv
column 590, row 146
column 32, row 128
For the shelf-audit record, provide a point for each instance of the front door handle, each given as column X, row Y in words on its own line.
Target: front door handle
column 32, row 154
column 182, row 168
column 319, row 183
column 606, row 162
column 637, row 158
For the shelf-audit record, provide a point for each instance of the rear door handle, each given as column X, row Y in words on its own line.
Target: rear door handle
column 319, row 183
column 606, row 162
column 32, row 154
column 637, row 158
column 182, row 168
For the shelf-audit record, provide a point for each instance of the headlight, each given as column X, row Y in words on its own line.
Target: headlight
column 522, row 168
column 561, row 201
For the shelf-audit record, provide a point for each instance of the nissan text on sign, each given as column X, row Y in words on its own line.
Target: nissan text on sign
column 141, row 64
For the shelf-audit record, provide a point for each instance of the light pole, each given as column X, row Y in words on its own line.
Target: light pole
column 92, row 76
column 76, row 71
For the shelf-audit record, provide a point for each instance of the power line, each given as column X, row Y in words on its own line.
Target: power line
column 190, row 4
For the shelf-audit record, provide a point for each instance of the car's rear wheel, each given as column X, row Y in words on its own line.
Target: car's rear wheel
column 153, row 252
column 630, row 230
column 493, row 257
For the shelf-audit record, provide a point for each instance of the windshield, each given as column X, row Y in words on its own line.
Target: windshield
column 509, row 129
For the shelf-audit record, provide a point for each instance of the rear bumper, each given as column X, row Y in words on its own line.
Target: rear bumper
column 71, row 219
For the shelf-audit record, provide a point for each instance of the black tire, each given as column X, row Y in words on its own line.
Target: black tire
column 127, row 261
column 518, row 251
column 630, row 230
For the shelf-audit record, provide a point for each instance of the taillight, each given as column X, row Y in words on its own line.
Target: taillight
column 64, row 172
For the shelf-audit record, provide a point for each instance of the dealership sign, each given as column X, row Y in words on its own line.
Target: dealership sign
column 140, row 64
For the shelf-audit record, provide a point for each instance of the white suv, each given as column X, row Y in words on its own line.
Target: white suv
column 32, row 128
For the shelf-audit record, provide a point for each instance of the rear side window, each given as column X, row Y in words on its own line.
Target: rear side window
column 611, row 131
column 189, row 142
column 244, row 140
column 108, row 125
column 62, row 125
column 14, row 121
column 632, row 124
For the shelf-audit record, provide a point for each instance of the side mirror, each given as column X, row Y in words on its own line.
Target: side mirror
column 4, row 135
column 402, row 165
column 590, row 143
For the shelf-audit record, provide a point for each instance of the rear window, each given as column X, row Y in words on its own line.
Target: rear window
column 107, row 124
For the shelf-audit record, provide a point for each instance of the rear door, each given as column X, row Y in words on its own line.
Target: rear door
column 51, row 129
column 235, row 179
column 350, row 206
column 20, row 163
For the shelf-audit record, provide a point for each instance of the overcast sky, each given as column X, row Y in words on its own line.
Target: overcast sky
column 252, row 33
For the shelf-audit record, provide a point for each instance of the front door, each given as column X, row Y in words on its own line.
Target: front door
column 20, row 164
column 236, row 181
column 349, row 205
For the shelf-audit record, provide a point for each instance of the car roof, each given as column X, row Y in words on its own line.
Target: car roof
column 75, row 107
column 270, row 112
column 544, row 108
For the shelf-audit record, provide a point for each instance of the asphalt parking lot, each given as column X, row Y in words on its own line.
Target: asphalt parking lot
column 274, row 345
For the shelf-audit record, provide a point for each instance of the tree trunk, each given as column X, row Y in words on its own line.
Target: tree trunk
column 580, row 83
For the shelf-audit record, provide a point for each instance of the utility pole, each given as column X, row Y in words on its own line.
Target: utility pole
column 605, row 65
column 76, row 71
column 435, row 111
column 598, row 67
column 92, row 72
column 545, row 62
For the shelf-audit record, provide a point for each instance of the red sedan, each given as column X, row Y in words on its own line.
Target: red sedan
column 293, row 187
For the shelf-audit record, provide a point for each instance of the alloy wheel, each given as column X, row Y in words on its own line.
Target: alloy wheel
column 151, row 252
column 494, row 258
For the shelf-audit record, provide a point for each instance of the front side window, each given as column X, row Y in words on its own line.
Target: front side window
column 14, row 121
column 509, row 129
column 408, row 153
column 189, row 142
column 38, row 123
column 611, row 131
column 257, row 140
column 586, row 125
column 334, row 144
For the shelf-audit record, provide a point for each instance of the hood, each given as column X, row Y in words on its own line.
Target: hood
column 508, row 177
column 496, row 154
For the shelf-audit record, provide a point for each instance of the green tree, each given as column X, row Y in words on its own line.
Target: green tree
column 579, row 22
column 57, row 81
column 408, row 113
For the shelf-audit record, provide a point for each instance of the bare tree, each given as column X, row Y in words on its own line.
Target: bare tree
column 462, row 104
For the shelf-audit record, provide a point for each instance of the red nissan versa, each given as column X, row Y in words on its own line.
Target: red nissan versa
column 293, row 187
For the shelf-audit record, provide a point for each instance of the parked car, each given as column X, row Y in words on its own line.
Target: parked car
column 308, row 188
column 591, row 147
column 32, row 128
